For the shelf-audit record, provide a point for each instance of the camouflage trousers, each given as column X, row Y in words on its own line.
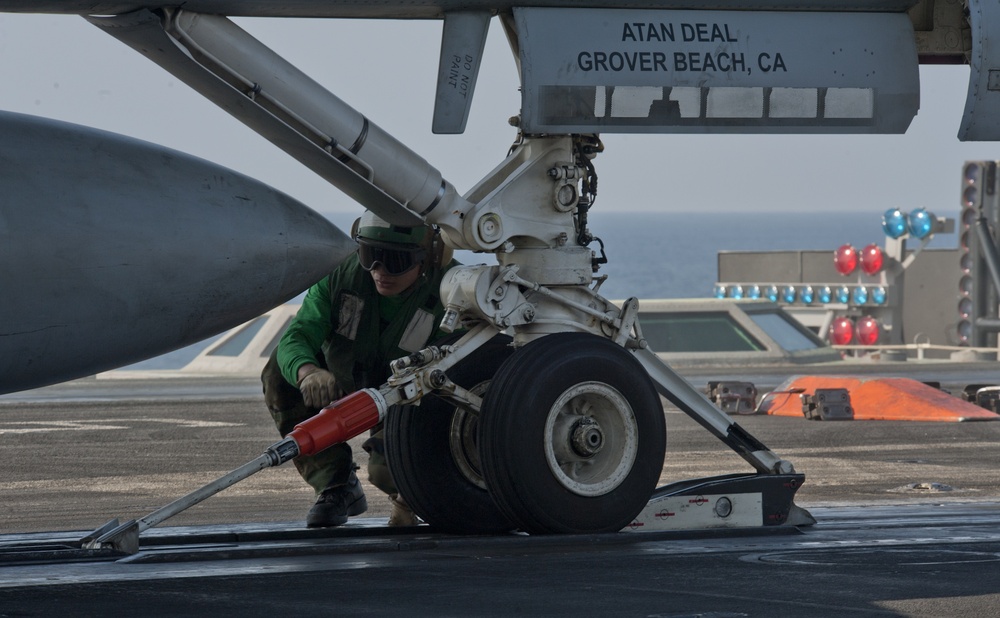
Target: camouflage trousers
column 334, row 465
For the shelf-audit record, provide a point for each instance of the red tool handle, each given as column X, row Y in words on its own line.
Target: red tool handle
column 340, row 421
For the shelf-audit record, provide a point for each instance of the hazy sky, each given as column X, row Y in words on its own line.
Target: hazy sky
column 62, row 67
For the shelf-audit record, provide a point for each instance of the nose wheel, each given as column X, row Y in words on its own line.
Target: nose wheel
column 433, row 453
column 571, row 436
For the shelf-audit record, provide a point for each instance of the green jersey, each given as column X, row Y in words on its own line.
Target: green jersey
column 346, row 325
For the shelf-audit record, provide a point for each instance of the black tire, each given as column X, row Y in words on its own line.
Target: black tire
column 432, row 452
column 572, row 436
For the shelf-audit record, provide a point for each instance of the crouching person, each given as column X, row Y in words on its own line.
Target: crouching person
column 380, row 304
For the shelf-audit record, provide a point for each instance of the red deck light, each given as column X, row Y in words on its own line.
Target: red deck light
column 845, row 259
column 872, row 259
column 841, row 331
column 868, row 330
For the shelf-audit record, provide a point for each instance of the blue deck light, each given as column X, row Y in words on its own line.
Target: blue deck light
column 860, row 295
column 843, row 294
column 894, row 223
column 921, row 223
column 825, row 294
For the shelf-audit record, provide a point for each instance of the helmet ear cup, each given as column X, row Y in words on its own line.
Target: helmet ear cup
column 354, row 228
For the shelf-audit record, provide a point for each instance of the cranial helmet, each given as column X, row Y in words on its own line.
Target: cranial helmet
column 373, row 229
column 396, row 248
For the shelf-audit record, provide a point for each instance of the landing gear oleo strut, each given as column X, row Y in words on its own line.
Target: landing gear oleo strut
column 558, row 429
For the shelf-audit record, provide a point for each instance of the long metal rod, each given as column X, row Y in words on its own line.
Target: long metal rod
column 261, row 89
column 680, row 392
column 185, row 502
column 126, row 536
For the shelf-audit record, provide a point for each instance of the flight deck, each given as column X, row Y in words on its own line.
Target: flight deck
column 908, row 523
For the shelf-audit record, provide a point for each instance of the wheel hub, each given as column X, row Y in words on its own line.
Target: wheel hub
column 587, row 437
column 591, row 439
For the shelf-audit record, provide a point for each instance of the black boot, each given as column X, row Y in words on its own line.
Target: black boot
column 336, row 503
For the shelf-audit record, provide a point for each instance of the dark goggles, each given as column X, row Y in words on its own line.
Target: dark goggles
column 394, row 261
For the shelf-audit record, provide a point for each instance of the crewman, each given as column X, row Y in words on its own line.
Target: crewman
column 380, row 304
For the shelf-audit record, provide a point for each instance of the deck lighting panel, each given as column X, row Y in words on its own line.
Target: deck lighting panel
column 973, row 184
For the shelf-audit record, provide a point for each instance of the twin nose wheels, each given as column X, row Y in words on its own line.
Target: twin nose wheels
column 570, row 439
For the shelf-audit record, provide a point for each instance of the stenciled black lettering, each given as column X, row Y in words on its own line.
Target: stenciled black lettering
column 706, row 33
column 600, row 61
column 617, row 61
column 641, row 32
column 767, row 63
column 721, row 33
column 627, row 33
column 453, row 71
column 739, row 62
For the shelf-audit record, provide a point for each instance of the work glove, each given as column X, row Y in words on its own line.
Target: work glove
column 319, row 388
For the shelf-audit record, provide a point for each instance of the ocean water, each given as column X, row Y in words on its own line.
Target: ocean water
column 674, row 255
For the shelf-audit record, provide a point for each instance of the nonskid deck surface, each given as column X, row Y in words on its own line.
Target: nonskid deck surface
column 908, row 523
column 899, row 560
